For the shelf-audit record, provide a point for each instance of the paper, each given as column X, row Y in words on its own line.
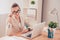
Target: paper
column 12, row 38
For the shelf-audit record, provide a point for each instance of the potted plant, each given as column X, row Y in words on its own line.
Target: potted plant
column 52, row 26
column 32, row 2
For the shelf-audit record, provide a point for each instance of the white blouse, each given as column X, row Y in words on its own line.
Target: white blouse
column 15, row 26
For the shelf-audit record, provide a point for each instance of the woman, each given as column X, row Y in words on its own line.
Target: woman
column 15, row 22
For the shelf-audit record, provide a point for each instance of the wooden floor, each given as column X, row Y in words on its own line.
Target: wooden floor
column 44, row 36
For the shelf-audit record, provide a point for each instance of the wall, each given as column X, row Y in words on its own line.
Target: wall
column 49, row 5
column 3, row 6
column 3, row 24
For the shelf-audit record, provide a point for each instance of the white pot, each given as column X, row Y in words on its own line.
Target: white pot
column 54, row 29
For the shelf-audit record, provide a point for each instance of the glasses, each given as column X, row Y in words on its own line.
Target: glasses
column 16, row 11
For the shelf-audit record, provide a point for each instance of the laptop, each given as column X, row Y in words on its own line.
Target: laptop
column 37, row 30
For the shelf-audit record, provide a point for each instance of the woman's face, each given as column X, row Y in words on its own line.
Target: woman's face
column 15, row 10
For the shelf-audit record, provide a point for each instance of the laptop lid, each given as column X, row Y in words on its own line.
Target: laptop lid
column 37, row 29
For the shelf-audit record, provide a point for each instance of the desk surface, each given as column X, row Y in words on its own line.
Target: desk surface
column 44, row 36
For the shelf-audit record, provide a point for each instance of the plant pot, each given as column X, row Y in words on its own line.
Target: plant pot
column 51, row 32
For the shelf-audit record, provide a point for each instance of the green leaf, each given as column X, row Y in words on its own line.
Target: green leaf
column 52, row 24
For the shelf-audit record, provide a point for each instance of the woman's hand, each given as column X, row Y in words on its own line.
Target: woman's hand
column 24, row 31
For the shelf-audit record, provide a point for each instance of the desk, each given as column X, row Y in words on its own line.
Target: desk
column 44, row 36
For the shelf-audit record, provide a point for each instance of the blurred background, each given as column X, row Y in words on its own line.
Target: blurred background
column 43, row 9
column 25, row 5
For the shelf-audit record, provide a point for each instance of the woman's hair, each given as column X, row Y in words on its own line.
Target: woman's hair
column 15, row 5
